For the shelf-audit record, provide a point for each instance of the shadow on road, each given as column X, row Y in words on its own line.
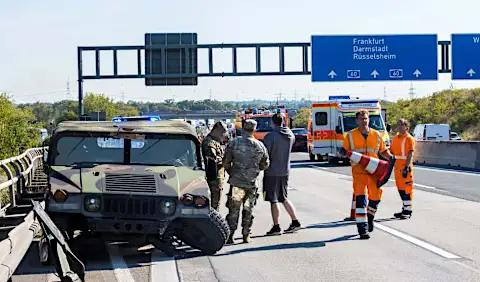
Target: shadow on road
column 315, row 244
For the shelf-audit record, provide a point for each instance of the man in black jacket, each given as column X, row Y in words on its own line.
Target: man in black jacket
column 279, row 144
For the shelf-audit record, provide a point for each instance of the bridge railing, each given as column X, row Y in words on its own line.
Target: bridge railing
column 18, row 171
column 18, row 226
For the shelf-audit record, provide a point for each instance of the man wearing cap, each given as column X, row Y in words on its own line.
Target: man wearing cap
column 244, row 158
column 212, row 152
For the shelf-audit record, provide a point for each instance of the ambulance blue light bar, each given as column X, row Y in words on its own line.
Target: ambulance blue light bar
column 148, row 118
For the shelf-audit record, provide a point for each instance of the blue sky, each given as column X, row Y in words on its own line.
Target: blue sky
column 39, row 40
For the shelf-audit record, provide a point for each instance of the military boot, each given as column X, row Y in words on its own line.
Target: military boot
column 230, row 240
column 247, row 239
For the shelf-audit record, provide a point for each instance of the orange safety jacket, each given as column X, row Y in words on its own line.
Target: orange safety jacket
column 372, row 146
column 400, row 147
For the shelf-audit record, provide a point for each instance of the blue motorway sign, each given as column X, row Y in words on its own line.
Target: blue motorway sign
column 466, row 56
column 374, row 57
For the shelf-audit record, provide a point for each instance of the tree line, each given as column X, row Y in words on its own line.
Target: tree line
column 18, row 129
column 19, row 124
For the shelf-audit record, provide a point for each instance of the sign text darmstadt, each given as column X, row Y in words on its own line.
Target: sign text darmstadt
column 466, row 56
column 374, row 57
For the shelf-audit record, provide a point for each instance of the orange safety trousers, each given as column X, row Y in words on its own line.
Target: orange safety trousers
column 367, row 197
column 365, row 184
column 404, row 186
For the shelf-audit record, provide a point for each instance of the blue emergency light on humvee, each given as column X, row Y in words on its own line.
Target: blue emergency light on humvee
column 136, row 118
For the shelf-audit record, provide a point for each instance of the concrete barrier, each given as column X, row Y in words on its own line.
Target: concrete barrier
column 455, row 154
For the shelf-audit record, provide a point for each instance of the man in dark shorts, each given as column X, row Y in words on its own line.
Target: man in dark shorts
column 279, row 144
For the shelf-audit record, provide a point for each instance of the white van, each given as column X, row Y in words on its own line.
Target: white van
column 432, row 132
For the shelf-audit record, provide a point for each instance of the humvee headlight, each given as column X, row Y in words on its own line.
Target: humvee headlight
column 60, row 196
column 92, row 203
column 168, row 207
column 200, row 201
column 187, row 199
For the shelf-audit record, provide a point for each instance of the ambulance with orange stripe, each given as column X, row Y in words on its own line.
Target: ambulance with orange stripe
column 331, row 120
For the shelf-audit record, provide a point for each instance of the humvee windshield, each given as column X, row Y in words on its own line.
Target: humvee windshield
column 165, row 150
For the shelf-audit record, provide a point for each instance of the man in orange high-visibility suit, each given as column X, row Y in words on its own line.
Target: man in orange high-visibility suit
column 402, row 147
column 366, row 141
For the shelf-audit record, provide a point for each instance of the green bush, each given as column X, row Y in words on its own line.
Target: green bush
column 458, row 108
column 18, row 130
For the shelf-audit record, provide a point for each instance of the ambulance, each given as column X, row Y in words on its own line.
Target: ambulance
column 331, row 120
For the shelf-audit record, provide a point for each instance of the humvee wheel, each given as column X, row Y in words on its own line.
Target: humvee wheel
column 44, row 252
column 208, row 235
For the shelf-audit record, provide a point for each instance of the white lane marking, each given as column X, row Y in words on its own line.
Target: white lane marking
column 163, row 268
column 53, row 277
column 417, row 242
column 320, row 167
column 466, row 266
column 438, row 169
column 419, row 185
column 120, row 267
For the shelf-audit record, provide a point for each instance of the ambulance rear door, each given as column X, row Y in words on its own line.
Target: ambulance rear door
column 324, row 116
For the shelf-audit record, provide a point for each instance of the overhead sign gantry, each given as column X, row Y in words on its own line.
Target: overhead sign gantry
column 171, row 59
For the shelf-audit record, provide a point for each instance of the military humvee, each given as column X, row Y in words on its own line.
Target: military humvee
column 140, row 182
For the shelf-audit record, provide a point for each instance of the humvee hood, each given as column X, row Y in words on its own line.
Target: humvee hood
column 168, row 181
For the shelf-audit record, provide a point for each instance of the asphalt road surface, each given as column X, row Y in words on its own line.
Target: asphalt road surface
column 439, row 243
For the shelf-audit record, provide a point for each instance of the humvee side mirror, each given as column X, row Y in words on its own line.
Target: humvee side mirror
column 45, row 145
column 389, row 127
column 338, row 129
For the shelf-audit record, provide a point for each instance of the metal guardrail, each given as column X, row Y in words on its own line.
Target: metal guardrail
column 14, row 248
column 22, row 165
column 19, row 171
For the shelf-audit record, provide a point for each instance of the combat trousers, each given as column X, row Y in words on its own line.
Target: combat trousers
column 237, row 197
column 405, row 189
column 363, row 185
column 216, row 189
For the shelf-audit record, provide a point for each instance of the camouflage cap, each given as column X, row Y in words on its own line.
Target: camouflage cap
column 220, row 124
column 250, row 125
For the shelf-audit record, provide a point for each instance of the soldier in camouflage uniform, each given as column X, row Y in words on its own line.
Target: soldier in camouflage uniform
column 244, row 158
column 212, row 152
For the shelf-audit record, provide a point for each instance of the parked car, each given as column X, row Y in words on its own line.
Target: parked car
column 300, row 144
column 455, row 137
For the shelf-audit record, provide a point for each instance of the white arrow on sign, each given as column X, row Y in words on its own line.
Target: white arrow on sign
column 332, row 74
column 470, row 72
column 417, row 73
column 374, row 73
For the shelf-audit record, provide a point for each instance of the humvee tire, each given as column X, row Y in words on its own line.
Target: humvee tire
column 208, row 235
